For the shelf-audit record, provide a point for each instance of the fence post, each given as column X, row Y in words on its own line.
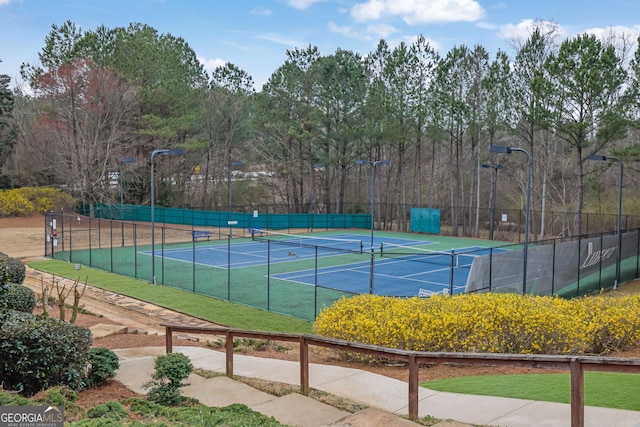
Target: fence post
column 229, row 353
column 453, row 265
column 304, row 366
column 111, row 244
column 577, row 393
column 168, row 339
column 135, row 250
column 413, row 387
column 315, row 287
column 90, row 246
column 62, row 229
column 193, row 264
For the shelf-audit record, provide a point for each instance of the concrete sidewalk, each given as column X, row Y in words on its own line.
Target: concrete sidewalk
column 387, row 398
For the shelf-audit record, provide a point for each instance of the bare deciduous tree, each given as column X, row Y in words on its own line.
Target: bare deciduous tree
column 86, row 116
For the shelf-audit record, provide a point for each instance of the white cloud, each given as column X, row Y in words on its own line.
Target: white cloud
column 524, row 28
column 369, row 11
column 409, row 40
column 606, row 33
column 303, row 4
column 414, row 12
column 382, row 30
column 5, row 2
column 277, row 38
column 486, row 25
column 259, row 11
column 372, row 32
column 211, row 64
column 347, row 31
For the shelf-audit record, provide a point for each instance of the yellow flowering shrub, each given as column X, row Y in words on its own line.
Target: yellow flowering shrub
column 14, row 204
column 30, row 200
column 609, row 323
column 487, row 322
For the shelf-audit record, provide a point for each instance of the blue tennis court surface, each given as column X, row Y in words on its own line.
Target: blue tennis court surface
column 403, row 276
column 395, row 272
column 249, row 253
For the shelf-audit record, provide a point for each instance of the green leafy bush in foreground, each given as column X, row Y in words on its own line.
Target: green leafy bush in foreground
column 12, row 270
column 109, row 410
column 17, row 297
column 170, row 370
column 103, row 364
column 38, row 352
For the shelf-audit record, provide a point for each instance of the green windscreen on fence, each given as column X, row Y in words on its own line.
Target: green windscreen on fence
column 425, row 220
column 255, row 219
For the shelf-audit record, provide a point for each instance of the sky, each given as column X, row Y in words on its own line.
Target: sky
column 255, row 35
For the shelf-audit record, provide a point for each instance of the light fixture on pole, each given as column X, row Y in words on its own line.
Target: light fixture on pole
column 229, row 170
column 509, row 150
column 373, row 166
column 494, row 182
column 122, row 162
column 619, row 226
column 155, row 153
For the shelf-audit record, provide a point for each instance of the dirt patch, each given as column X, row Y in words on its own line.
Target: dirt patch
column 22, row 236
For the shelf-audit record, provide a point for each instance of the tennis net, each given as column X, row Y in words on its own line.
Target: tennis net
column 295, row 240
column 415, row 253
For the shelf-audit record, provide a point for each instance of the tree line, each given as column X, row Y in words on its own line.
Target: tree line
column 101, row 101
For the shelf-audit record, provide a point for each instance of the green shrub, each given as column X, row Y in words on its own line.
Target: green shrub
column 39, row 352
column 59, row 396
column 56, row 396
column 103, row 364
column 11, row 270
column 17, row 297
column 111, row 410
column 12, row 399
column 170, row 370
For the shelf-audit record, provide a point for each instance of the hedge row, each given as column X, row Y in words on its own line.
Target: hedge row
column 38, row 352
column 491, row 323
column 31, row 200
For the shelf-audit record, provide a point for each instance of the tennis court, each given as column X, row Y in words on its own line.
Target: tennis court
column 241, row 253
column 300, row 275
column 401, row 267
column 294, row 275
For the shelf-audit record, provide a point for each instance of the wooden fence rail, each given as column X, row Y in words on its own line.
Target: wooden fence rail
column 576, row 365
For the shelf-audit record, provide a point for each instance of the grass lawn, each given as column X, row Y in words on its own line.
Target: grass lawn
column 609, row 390
column 204, row 307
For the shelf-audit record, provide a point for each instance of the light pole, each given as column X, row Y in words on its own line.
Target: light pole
column 122, row 162
column 229, row 170
column 509, row 150
column 493, row 196
column 619, row 226
column 155, row 153
column 373, row 166
column 312, row 194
